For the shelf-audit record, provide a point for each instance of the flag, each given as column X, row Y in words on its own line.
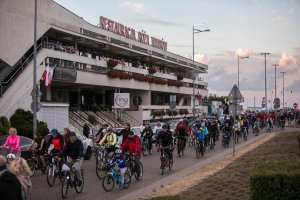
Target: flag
column 198, row 96
column 48, row 75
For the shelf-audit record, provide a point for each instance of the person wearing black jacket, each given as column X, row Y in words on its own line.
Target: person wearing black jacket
column 10, row 187
column 125, row 132
column 74, row 153
column 148, row 133
column 166, row 138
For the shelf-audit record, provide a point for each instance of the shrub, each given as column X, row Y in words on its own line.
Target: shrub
column 112, row 63
column 22, row 121
column 5, row 125
column 113, row 74
column 1, row 129
column 92, row 119
column 186, row 112
column 157, row 80
column 276, row 180
column 182, row 112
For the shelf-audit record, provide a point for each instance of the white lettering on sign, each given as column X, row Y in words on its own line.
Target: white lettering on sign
column 121, row 100
column 130, row 33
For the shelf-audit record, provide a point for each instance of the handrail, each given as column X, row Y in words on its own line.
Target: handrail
column 131, row 118
column 117, row 124
column 75, row 121
column 83, row 117
column 16, row 73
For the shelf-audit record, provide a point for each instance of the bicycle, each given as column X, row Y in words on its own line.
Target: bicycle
column 35, row 163
column 70, row 179
column 132, row 168
column 165, row 160
column 199, row 148
column 211, row 141
column 101, row 163
column 180, row 146
column 225, row 140
column 145, row 146
column 256, row 130
column 244, row 133
column 114, row 177
column 53, row 169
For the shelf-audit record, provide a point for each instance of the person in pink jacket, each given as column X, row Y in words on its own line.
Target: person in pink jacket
column 13, row 141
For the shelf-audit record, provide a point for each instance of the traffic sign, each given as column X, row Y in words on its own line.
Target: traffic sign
column 295, row 105
column 235, row 95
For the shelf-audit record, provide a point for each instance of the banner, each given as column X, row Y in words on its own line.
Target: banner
column 121, row 100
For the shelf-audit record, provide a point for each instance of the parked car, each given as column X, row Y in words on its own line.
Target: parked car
column 87, row 144
column 25, row 142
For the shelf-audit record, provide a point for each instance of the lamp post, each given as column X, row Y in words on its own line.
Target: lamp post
column 240, row 57
column 283, row 88
column 34, row 86
column 266, row 100
column 194, row 98
column 275, row 65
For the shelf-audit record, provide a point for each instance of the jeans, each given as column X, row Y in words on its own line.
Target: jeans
column 77, row 165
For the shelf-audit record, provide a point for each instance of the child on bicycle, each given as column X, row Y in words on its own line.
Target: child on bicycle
column 118, row 162
column 200, row 134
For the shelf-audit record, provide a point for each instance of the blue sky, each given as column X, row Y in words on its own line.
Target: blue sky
column 245, row 27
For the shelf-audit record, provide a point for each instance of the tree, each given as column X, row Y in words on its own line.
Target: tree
column 5, row 125
column 22, row 121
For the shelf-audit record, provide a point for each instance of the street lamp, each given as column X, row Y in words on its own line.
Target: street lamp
column 283, row 88
column 275, row 65
column 240, row 57
column 194, row 98
column 266, row 100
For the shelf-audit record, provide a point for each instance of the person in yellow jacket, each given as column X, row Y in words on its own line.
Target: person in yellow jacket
column 109, row 140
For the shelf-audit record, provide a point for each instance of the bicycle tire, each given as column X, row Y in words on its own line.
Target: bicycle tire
column 50, row 176
column 127, row 180
column 145, row 148
column 197, row 152
column 65, row 186
column 170, row 165
column 32, row 165
column 139, row 177
column 101, row 170
column 108, row 183
column 79, row 189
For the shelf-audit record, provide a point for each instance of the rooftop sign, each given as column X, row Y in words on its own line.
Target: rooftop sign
column 130, row 33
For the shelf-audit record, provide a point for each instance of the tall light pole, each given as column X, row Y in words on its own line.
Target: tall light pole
column 34, row 87
column 266, row 100
column 194, row 98
column 275, row 65
column 283, row 88
column 240, row 57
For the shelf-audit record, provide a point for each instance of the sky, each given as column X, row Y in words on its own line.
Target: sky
column 237, row 27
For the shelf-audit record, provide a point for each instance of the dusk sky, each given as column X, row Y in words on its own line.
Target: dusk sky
column 245, row 28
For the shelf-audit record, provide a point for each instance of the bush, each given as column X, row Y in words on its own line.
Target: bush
column 5, row 125
column 1, row 129
column 92, row 119
column 22, row 121
column 152, row 70
column 276, row 180
column 112, row 63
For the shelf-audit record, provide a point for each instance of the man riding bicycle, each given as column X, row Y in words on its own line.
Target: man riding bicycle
column 147, row 134
column 109, row 140
column 165, row 136
column 181, row 133
column 74, row 153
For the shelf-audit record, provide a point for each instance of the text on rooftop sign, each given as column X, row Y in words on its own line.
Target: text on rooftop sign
column 130, row 33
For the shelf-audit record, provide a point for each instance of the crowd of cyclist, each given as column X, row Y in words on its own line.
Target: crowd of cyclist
column 202, row 131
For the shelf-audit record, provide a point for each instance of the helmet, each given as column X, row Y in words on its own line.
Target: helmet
column 118, row 151
column 54, row 131
column 165, row 126
column 11, row 156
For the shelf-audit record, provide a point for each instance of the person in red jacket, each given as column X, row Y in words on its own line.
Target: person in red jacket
column 133, row 145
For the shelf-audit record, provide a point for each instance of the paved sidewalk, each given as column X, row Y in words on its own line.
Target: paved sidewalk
column 146, row 191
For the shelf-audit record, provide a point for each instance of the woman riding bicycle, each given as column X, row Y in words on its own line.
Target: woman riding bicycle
column 13, row 141
column 40, row 148
column 147, row 134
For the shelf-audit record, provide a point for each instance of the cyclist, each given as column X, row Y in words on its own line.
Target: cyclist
column 165, row 136
column 110, row 140
column 57, row 141
column 214, row 131
column 124, row 132
column 10, row 157
column 200, row 136
column 270, row 122
column 246, row 124
column 205, row 131
column 121, row 164
column 133, row 145
column 13, row 141
column 147, row 134
column 256, row 124
column 226, row 131
column 236, row 128
column 74, row 153
column 40, row 149
column 181, row 132
column 157, row 128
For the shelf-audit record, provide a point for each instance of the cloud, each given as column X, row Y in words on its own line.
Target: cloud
column 135, row 6
column 157, row 22
column 295, row 86
column 243, row 52
column 202, row 58
column 229, row 53
column 291, row 11
column 286, row 60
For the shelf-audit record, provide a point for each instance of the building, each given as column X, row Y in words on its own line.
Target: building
column 90, row 64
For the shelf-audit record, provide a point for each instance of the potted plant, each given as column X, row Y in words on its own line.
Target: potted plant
column 152, row 70
column 112, row 63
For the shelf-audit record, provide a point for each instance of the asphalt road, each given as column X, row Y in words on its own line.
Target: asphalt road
column 93, row 185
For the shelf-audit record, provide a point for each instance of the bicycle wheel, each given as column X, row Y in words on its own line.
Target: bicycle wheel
column 145, row 148
column 32, row 165
column 108, row 183
column 137, row 176
column 127, row 180
column 65, row 186
column 162, row 167
column 79, row 189
column 51, row 175
column 170, row 165
column 101, row 169
column 197, row 151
